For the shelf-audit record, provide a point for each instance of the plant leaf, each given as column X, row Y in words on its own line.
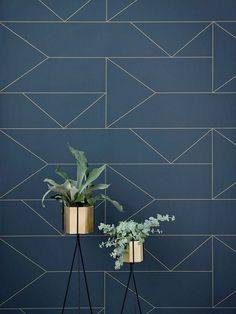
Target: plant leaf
column 61, row 173
column 50, row 181
column 73, row 193
column 79, row 198
column 97, row 187
column 82, row 164
column 91, row 201
column 93, row 175
column 44, row 196
column 62, row 189
column 117, row 205
column 78, row 155
column 61, row 199
column 81, row 174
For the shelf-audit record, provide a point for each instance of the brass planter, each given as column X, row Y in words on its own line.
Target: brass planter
column 134, row 253
column 78, row 220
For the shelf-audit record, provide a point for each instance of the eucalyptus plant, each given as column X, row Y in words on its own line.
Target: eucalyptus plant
column 79, row 192
column 129, row 230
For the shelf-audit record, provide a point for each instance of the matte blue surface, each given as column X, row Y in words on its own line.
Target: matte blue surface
column 225, row 65
column 147, row 87
column 183, row 110
column 176, row 186
column 175, row 75
column 179, row 10
column 97, row 152
column 32, row 10
column 93, row 11
column 60, row 75
column 101, row 40
column 20, row 112
column 53, row 285
column 21, row 167
column 14, row 65
column 11, row 262
column 173, row 289
column 173, row 36
column 65, row 9
column 77, row 106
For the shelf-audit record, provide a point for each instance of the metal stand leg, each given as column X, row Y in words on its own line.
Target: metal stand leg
column 84, row 272
column 69, row 278
column 80, row 256
column 131, row 275
column 126, row 290
column 136, row 291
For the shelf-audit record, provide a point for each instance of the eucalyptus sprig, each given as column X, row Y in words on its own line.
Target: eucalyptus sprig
column 79, row 192
column 129, row 230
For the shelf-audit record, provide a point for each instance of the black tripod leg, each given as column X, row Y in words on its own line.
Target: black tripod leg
column 84, row 272
column 127, row 287
column 78, row 265
column 69, row 278
column 136, row 292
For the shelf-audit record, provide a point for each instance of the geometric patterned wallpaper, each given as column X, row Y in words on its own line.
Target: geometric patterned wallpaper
column 149, row 88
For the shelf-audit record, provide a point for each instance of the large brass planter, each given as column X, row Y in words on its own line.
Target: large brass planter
column 78, row 220
column 134, row 253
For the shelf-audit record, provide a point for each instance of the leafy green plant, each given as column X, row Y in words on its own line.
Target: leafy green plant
column 79, row 192
column 129, row 230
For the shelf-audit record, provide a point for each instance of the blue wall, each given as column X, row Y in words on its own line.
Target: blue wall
column 148, row 87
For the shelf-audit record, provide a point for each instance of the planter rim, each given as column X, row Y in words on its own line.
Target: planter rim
column 79, row 206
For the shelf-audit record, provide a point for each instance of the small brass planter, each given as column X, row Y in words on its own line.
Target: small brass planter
column 78, row 220
column 134, row 253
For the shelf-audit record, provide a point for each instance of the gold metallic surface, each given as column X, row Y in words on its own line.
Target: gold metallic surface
column 84, row 216
column 134, row 253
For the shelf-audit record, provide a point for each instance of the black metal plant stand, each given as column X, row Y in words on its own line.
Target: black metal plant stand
column 77, row 249
column 131, row 275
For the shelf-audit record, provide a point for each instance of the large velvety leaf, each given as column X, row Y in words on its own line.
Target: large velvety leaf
column 78, row 155
column 116, row 204
column 81, row 174
column 93, row 175
column 82, row 164
column 61, row 173
column 59, row 189
column 50, row 181
column 44, row 196
column 73, row 193
column 97, row 187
